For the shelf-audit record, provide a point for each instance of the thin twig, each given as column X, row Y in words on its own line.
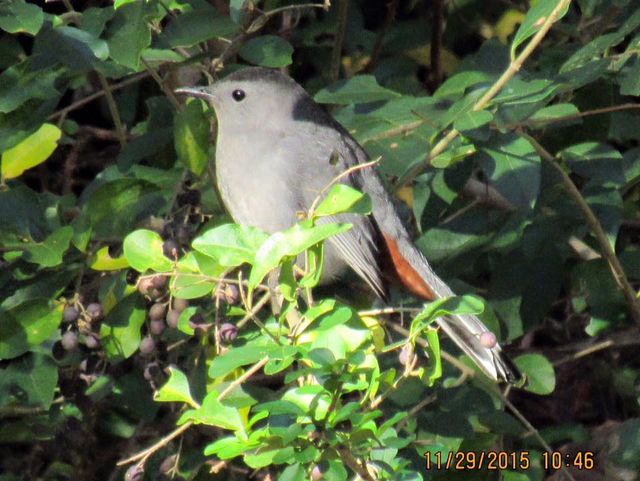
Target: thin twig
column 511, row 70
column 392, row 8
column 525, row 422
column 167, row 91
column 113, row 110
column 143, row 455
column 255, row 368
column 596, row 228
column 90, row 98
column 336, row 54
column 579, row 115
column 436, row 44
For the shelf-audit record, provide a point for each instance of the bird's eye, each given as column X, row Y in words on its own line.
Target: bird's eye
column 238, row 95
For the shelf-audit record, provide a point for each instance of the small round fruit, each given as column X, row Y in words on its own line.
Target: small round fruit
column 92, row 341
column 69, row 341
column 316, row 473
column 156, row 327
column 405, row 355
column 172, row 318
column 147, row 345
column 151, row 371
column 167, row 464
column 134, row 473
column 171, row 249
column 94, row 311
column 70, row 314
column 228, row 332
column 159, row 282
column 180, row 304
column 145, row 285
column 488, row 339
column 157, row 311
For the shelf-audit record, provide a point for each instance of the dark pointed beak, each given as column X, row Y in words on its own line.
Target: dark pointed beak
column 199, row 92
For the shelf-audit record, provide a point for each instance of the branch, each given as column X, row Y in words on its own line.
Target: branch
column 511, row 70
column 606, row 250
column 336, row 55
column 392, row 8
column 436, row 44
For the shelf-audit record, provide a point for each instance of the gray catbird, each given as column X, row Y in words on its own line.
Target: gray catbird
column 277, row 149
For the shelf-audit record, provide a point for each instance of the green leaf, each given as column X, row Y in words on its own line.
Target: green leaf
column 196, row 26
column 356, row 90
column 176, row 389
column 114, row 208
column 191, row 136
column 539, row 371
column 32, row 151
column 230, row 244
column 553, row 112
column 120, row 330
column 18, row 16
column 534, row 19
column 267, row 51
column 295, row 472
column 27, row 325
column 236, row 8
column 237, row 357
column 433, row 371
column 143, row 251
column 34, row 376
column 214, row 413
column 49, row 252
column 129, row 34
column 513, row 169
column 447, row 305
column 343, row 198
column 472, row 120
column 20, row 83
column 289, row 243
column 74, row 48
column 630, row 82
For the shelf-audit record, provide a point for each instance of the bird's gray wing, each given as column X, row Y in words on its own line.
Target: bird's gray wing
column 321, row 162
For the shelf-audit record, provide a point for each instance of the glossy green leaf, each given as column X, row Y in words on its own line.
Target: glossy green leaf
column 18, row 16
column 267, row 51
column 191, row 136
column 29, row 380
column 230, row 244
column 129, row 34
column 120, row 331
column 534, row 19
column 343, row 198
column 541, row 378
column 143, row 251
column 356, row 90
column 50, row 251
column 214, row 413
column 200, row 25
column 176, row 389
column 26, row 326
column 73, row 47
column 32, row 151
column 289, row 243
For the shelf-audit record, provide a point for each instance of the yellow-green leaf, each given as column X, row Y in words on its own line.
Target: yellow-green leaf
column 32, row 151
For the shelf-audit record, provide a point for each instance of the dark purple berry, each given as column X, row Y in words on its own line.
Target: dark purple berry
column 94, row 311
column 228, row 293
column 180, row 304
column 167, row 464
column 172, row 318
column 157, row 311
column 70, row 314
column 69, row 340
column 156, row 327
column 159, row 282
column 92, row 341
column 151, row 371
column 134, row 473
column 171, row 249
column 147, row 345
column 228, row 332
